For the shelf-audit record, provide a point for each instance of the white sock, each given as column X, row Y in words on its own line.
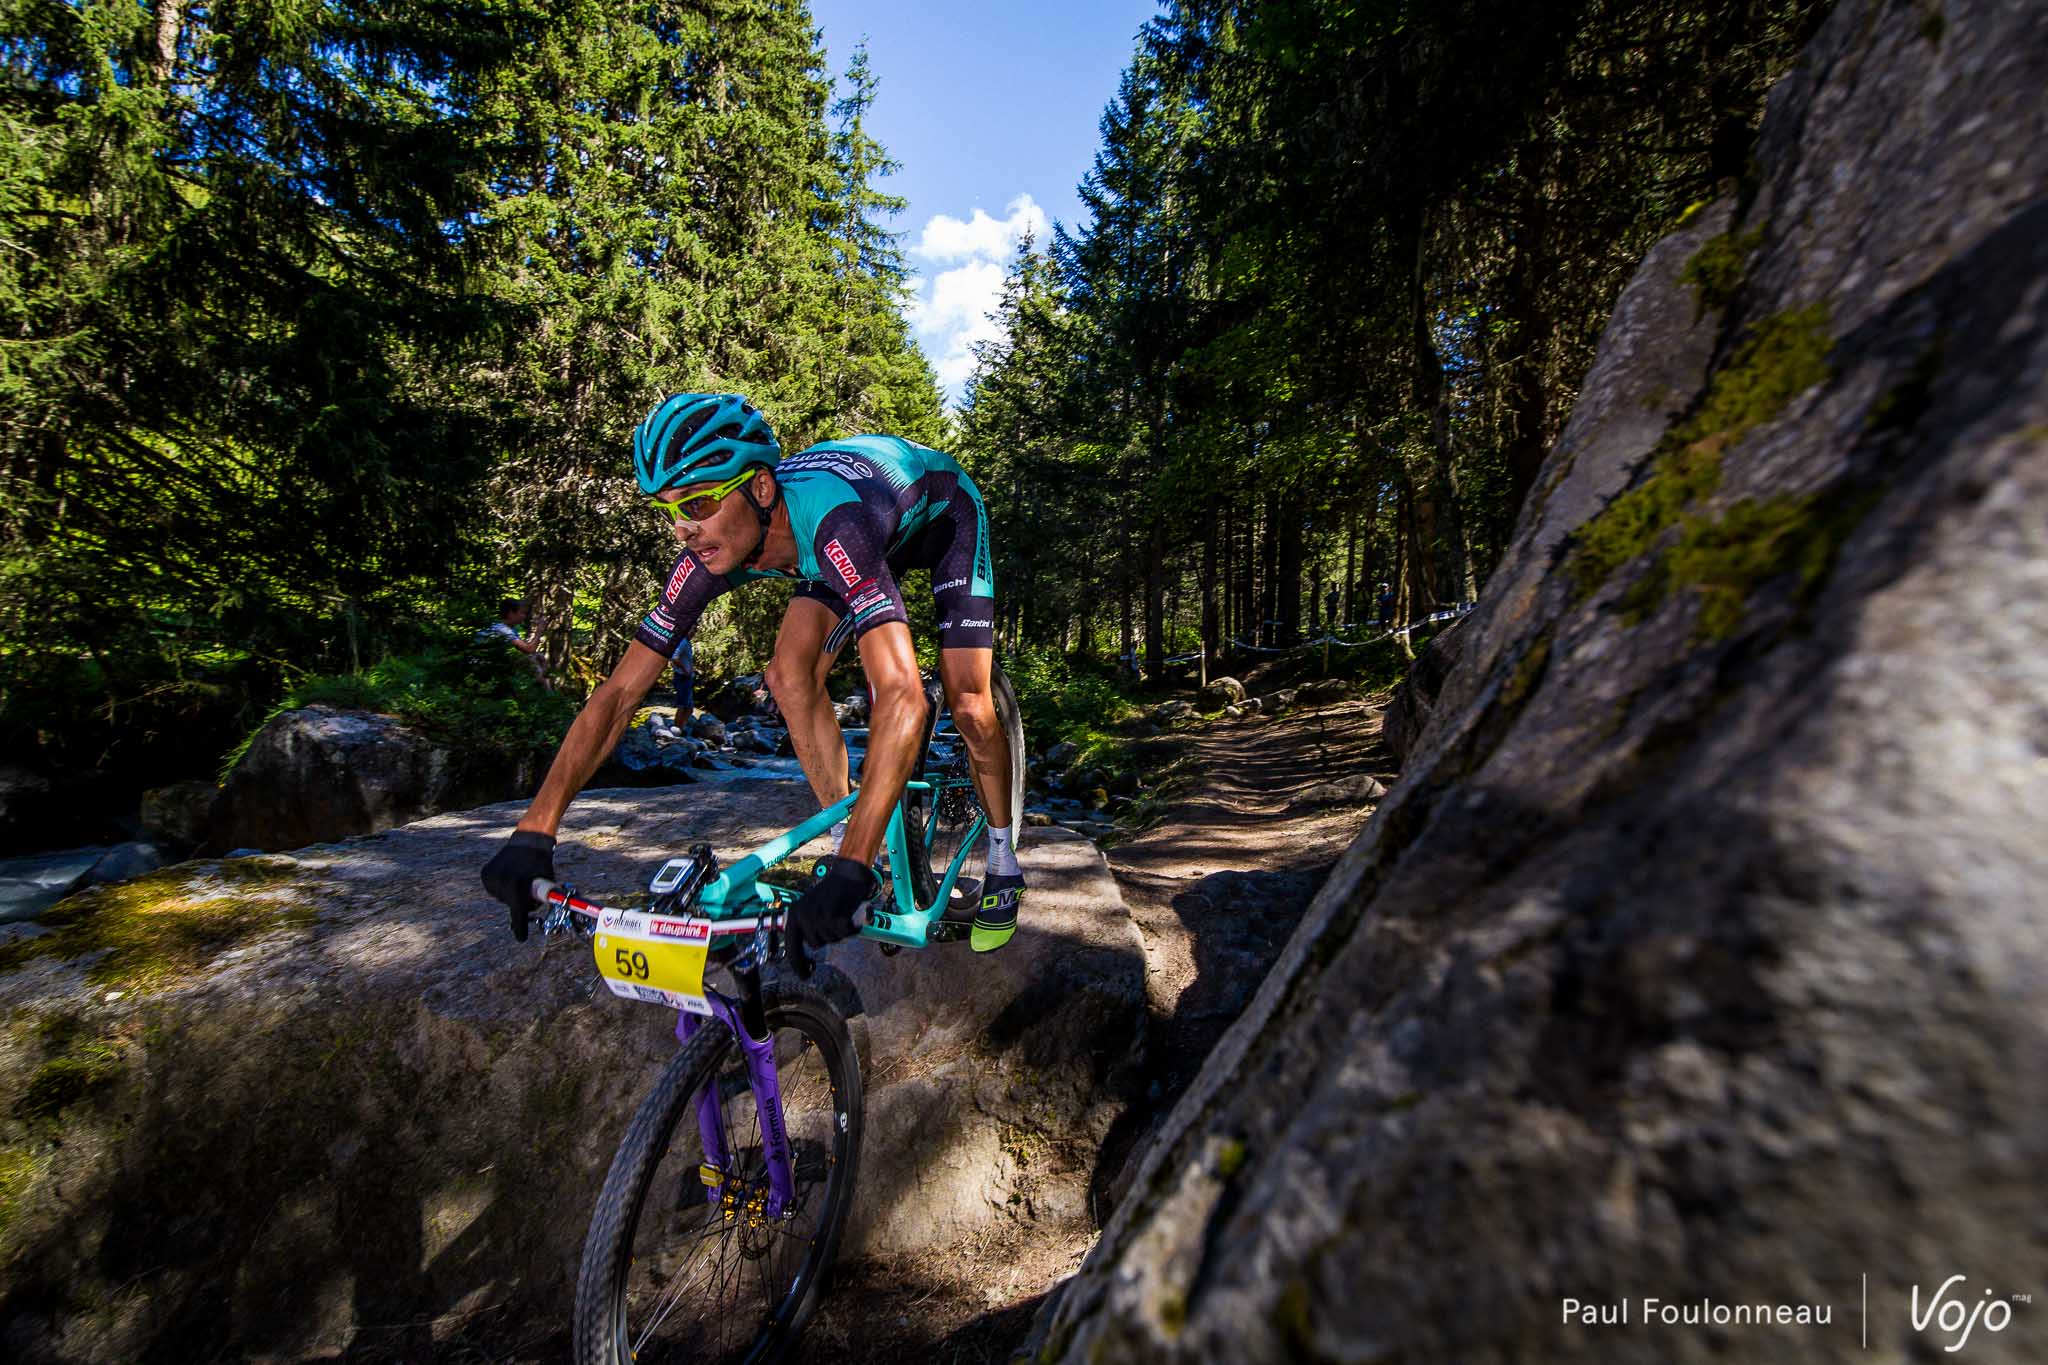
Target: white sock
column 838, row 835
column 1002, row 855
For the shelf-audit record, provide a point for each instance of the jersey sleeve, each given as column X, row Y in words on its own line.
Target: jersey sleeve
column 690, row 589
column 852, row 565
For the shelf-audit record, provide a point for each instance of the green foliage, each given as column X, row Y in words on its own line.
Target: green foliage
column 1063, row 700
column 476, row 695
column 326, row 326
column 1339, row 272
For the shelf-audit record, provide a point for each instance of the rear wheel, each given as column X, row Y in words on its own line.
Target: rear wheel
column 670, row 1274
column 933, row 842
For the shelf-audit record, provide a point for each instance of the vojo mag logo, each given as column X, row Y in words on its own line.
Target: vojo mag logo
column 1954, row 1313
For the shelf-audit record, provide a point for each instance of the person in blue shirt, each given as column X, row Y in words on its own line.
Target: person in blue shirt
column 847, row 518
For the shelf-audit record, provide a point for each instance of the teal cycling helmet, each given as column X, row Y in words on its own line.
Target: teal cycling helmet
column 700, row 438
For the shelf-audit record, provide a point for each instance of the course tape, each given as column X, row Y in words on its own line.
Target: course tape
column 1451, row 614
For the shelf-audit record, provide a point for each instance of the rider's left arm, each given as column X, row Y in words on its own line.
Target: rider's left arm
column 894, row 728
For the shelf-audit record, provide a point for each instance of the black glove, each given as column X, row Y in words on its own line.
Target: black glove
column 824, row 914
column 510, row 873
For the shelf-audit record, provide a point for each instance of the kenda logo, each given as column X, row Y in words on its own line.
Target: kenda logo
column 685, row 566
column 843, row 562
column 679, row 928
column 1958, row 1315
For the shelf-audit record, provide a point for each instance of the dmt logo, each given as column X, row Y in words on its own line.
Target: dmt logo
column 843, row 562
column 679, row 928
column 685, row 566
column 1957, row 1317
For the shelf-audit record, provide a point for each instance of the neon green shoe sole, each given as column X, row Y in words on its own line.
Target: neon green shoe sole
column 987, row 938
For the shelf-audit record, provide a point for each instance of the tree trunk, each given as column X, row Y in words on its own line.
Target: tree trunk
column 1530, row 331
column 1287, row 575
column 1437, row 515
column 170, row 21
column 1350, row 601
column 1209, row 604
column 1155, row 598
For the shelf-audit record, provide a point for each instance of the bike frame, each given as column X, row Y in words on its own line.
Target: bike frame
column 738, row 893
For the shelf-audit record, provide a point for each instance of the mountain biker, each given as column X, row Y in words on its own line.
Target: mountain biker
column 847, row 517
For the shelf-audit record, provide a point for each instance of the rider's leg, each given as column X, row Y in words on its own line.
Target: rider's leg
column 796, row 675
column 965, row 675
column 964, row 671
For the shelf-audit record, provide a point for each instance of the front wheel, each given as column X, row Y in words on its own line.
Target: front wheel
column 675, row 1269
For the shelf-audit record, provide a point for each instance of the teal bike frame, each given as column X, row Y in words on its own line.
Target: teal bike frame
column 738, row 891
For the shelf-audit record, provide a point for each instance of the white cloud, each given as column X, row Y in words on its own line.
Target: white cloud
column 981, row 237
column 949, row 311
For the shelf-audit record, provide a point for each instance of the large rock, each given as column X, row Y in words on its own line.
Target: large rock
column 1698, row 953
column 312, row 1106
column 180, row 813
column 1219, row 693
column 325, row 773
column 1413, row 702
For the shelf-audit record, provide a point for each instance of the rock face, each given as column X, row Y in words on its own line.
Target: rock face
column 1698, row 952
column 269, row 1107
column 323, row 773
column 1408, row 710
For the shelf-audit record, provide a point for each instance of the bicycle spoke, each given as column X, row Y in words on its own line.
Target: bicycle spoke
column 689, row 1291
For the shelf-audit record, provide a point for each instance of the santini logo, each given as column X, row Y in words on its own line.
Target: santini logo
column 1958, row 1317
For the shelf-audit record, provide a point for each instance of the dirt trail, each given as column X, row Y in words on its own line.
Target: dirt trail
column 1216, row 884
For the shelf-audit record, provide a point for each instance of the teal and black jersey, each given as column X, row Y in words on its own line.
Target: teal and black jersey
column 865, row 510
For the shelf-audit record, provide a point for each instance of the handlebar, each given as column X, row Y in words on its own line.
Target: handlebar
column 555, row 896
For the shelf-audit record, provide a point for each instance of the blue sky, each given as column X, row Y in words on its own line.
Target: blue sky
column 993, row 110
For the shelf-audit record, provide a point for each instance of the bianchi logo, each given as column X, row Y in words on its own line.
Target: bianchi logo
column 1957, row 1317
column 956, row 583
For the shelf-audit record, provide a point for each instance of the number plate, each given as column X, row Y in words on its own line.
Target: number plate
column 654, row 958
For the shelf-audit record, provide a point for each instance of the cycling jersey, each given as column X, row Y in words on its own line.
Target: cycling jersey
column 865, row 510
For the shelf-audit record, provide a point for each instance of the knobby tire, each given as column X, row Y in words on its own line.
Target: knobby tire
column 670, row 1220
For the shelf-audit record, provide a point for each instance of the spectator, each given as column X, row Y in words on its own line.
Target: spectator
column 1330, row 611
column 683, row 666
column 1386, row 604
column 512, row 614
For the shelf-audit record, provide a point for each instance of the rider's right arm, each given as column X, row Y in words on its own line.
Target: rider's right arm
column 593, row 735
column 690, row 588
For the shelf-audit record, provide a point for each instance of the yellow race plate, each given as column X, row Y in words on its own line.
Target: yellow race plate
column 656, row 958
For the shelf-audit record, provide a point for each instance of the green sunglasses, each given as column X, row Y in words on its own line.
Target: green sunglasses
column 698, row 506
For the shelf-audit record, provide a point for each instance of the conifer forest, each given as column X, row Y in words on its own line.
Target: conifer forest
column 326, row 324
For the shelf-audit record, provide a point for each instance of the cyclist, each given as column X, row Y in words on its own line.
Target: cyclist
column 846, row 517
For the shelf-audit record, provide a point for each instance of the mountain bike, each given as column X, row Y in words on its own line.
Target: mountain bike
column 712, row 1238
